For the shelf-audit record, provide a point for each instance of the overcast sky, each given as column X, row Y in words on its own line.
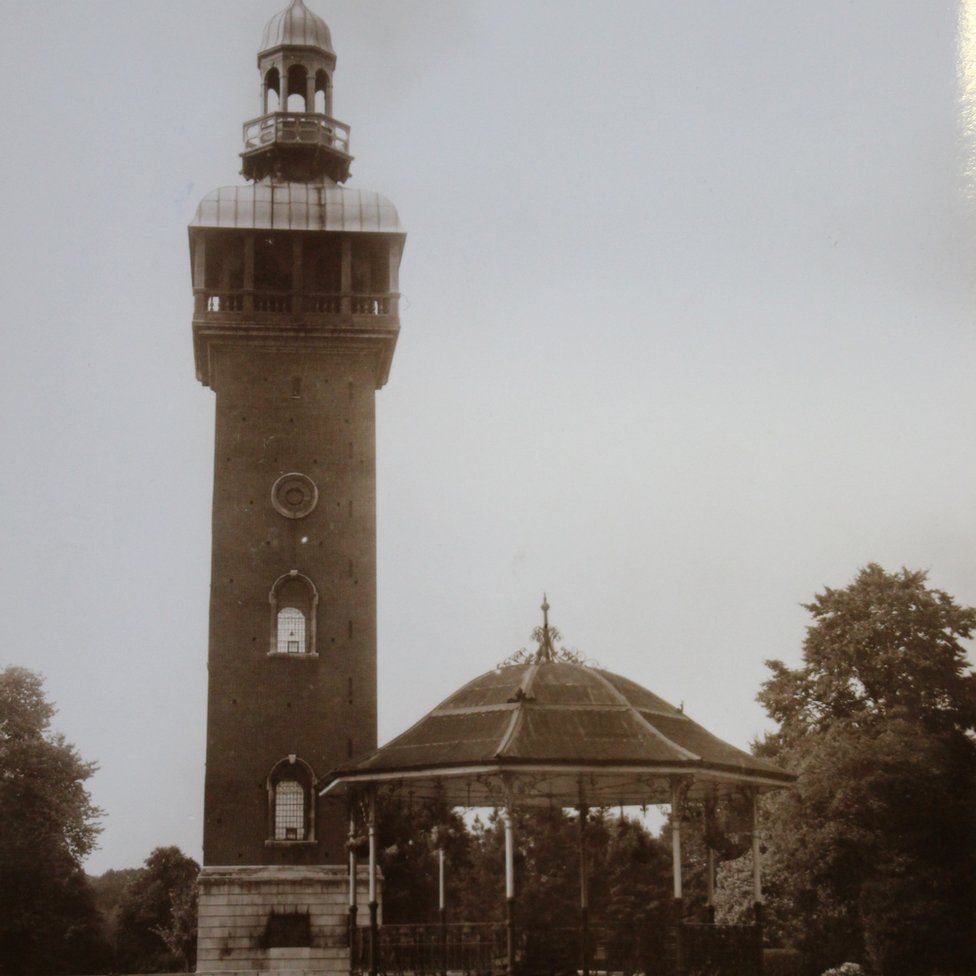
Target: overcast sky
column 687, row 335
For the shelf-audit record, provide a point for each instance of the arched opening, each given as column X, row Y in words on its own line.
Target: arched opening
column 291, row 631
column 272, row 91
column 294, row 602
column 321, row 92
column 297, row 89
column 291, row 801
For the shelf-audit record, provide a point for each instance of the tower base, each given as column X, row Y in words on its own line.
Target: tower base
column 280, row 920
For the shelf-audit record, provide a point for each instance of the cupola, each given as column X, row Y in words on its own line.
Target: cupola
column 296, row 138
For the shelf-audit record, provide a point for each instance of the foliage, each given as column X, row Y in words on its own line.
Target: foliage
column 156, row 929
column 48, row 918
column 109, row 889
column 410, row 833
column 630, row 870
column 845, row 969
column 885, row 647
column 874, row 850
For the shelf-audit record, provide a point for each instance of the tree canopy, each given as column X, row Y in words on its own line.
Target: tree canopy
column 48, row 918
column 872, row 855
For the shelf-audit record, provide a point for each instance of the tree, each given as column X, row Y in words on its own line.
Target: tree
column 156, row 928
column 872, row 854
column 48, row 918
column 884, row 647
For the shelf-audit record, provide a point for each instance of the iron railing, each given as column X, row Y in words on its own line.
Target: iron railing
column 480, row 950
column 721, row 950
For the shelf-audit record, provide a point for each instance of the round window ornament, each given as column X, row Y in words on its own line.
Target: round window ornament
column 294, row 495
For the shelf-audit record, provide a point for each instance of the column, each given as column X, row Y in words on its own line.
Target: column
column 353, row 886
column 442, row 906
column 248, row 274
column 757, row 896
column 710, row 882
column 509, row 891
column 584, row 919
column 296, row 274
column 677, row 814
column 374, row 933
column 310, row 92
column 200, row 272
column 346, row 275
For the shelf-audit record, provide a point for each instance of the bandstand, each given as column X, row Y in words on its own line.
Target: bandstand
column 555, row 732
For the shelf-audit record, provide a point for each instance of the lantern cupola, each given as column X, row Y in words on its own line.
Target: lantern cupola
column 296, row 137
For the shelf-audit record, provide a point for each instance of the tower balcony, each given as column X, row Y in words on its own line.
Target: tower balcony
column 294, row 140
column 216, row 305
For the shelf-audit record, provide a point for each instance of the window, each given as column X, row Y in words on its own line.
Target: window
column 291, row 631
column 294, row 602
column 289, row 812
column 291, row 803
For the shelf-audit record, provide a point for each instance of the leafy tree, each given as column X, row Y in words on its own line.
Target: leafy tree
column 157, row 916
column 48, row 918
column 884, row 647
column 873, row 852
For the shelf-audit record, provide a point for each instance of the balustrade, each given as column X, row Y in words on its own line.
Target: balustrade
column 315, row 303
column 296, row 128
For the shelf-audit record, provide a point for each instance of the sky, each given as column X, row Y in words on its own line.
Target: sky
column 687, row 336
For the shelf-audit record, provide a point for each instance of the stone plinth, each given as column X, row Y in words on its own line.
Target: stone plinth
column 308, row 937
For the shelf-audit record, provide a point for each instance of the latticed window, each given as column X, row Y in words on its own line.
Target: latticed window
column 289, row 811
column 291, row 631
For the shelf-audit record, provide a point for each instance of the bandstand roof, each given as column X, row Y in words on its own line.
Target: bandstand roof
column 552, row 731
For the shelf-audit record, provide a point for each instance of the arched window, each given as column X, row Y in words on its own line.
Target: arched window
column 291, row 631
column 294, row 602
column 291, row 802
column 289, row 813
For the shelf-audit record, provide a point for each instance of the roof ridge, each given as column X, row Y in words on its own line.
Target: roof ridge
column 524, row 685
column 640, row 718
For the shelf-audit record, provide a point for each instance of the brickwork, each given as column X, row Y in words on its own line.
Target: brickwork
column 281, row 410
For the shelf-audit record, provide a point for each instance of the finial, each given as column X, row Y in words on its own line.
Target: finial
column 546, row 650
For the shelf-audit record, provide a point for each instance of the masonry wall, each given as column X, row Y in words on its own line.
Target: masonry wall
column 235, row 905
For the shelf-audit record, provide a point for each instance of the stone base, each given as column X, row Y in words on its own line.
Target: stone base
column 236, row 904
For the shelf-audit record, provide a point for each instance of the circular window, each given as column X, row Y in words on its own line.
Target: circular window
column 294, row 495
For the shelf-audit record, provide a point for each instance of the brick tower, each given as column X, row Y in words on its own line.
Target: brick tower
column 295, row 281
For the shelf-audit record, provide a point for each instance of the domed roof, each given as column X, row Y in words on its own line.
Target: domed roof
column 320, row 206
column 297, row 26
column 563, row 724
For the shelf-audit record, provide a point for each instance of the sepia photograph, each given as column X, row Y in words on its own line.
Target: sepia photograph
column 505, row 488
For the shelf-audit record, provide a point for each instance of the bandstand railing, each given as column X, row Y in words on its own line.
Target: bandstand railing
column 724, row 950
column 473, row 949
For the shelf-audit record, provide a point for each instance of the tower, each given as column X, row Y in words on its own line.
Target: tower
column 295, row 281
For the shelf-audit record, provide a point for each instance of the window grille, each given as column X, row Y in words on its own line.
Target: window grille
column 289, row 811
column 291, row 631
